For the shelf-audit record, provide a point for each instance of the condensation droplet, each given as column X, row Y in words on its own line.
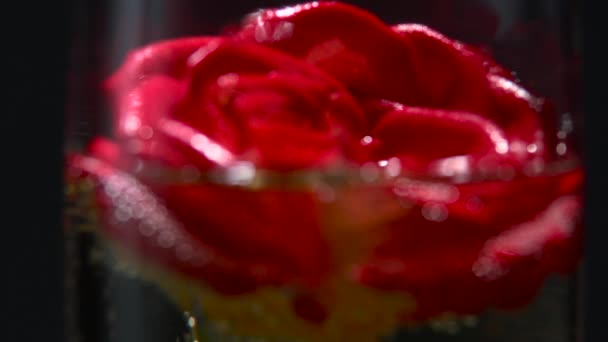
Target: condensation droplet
column 436, row 212
column 383, row 163
column 532, row 148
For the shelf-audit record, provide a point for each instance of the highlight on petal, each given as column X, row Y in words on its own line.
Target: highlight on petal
column 529, row 240
column 200, row 149
column 452, row 76
column 420, row 136
column 138, row 111
column 167, row 58
column 517, row 112
column 350, row 44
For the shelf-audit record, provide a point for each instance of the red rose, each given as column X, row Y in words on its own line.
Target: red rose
column 320, row 86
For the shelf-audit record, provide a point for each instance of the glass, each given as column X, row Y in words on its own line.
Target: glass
column 322, row 174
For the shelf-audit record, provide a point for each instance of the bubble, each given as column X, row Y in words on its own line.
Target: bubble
column 369, row 172
column 241, row 173
column 191, row 322
column 184, row 252
column 436, row 212
column 474, row 204
column 189, row 173
column 326, row 194
column 122, row 214
column 335, row 96
column 283, row 30
column 567, row 124
column 260, row 270
column 470, row 321
column 134, row 146
column 256, row 309
column 166, row 239
column 146, row 132
column 532, row 148
column 366, row 140
column 287, row 11
column 488, row 269
column 561, row 149
column 502, row 147
column 457, row 166
column 138, row 166
column 505, row 172
column 146, row 229
column 534, row 167
column 393, row 168
column 518, row 146
column 132, row 123
column 228, row 80
column 112, row 191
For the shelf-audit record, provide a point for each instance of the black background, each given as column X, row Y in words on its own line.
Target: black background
column 34, row 81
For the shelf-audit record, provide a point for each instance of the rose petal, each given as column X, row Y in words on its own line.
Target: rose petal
column 286, row 147
column 452, row 76
column 276, row 227
column 354, row 46
column 196, row 147
column 136, row 219
column 138, row 111
column 517, row 112
column 232, row 59
column 167, row 58
column 529, row 240
column 419, row 136
column 414, row 65
column 497, row 255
